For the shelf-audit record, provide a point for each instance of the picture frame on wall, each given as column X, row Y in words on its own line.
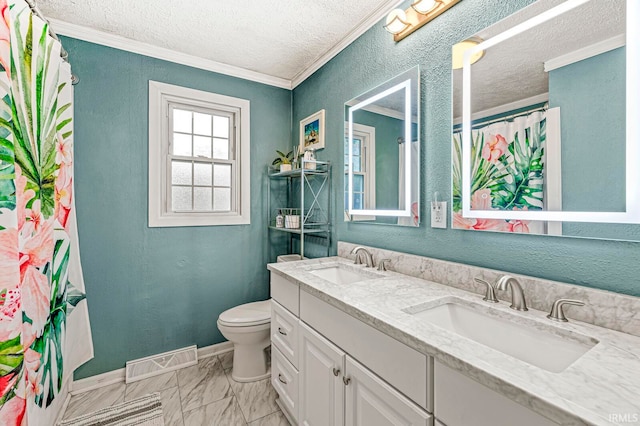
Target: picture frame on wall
column 312, row 132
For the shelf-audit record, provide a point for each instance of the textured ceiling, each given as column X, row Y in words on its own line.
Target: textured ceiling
column 280, row 38
column 514, row 69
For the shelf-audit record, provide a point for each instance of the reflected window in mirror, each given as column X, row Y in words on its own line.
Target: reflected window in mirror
column 364, row 169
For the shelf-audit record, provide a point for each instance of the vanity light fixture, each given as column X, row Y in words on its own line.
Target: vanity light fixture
column 402, row 23
column 396, row 21
column 457, row 52
column 424, row 6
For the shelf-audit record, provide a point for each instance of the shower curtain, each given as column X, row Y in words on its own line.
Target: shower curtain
column 44, row 324
column 509, row 169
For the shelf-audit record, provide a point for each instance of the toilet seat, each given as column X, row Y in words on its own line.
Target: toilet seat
column 247, row 315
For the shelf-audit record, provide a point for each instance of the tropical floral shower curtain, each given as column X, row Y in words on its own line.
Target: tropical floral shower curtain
column 44, row 325
column 507, row 172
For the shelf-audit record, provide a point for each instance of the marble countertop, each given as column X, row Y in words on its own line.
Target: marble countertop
column 600, row 387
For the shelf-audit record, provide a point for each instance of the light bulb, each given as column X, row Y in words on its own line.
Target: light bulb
column 396, row 21
column 424, row 6
column 457, row 53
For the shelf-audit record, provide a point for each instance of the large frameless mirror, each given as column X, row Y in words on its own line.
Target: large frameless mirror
column 382, row 153
column 545, row 136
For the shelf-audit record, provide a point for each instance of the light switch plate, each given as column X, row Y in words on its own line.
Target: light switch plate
column 439, row 214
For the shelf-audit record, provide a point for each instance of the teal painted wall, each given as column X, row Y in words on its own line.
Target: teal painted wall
column 591, row 96
column 152, row 290
column 373, row 59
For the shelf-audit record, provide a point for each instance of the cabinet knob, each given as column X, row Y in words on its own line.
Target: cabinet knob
column 281, row 379
column 346, row 381
column 336, row 372
column 281, row 331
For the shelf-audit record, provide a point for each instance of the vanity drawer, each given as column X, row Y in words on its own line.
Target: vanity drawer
column 284, row 378
column 286, row 293
column 404, row 368
column 284, row 332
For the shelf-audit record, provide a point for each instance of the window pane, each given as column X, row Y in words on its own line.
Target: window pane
column 221, row 148
column 357, row 160
column 180, row 173
column 202, row 198
column 201, row 124
column 358, row 183
column 182, row 144
column 180, row 198
column 181, row 120
column 357, row 201
column 356, row 146
column 221, row 199
column 220, row 126
column 222, row 174
column 201, row 146
column 202, row 174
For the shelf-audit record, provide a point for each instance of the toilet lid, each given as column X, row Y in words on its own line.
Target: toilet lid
column 248, row 314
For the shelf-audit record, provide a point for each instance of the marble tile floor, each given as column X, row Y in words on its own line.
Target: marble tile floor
column 204, row 394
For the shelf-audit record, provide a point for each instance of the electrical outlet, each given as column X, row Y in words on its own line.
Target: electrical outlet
column 439, row 214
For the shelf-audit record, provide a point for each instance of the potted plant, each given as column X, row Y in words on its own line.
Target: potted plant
column 283, row 160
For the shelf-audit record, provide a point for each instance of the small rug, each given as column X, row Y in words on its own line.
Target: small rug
column 145, row 411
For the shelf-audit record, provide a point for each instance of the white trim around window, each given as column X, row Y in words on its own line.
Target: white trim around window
column 163, row 99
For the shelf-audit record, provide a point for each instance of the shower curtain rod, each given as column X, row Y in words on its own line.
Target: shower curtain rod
column 63, row 53
column 509, row 117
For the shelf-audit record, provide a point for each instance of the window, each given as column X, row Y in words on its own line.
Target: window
column 364, row 169
column 198, row 158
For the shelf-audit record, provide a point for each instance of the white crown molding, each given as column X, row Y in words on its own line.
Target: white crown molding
column 381, row 11
column 585, row 52
column 130, row 45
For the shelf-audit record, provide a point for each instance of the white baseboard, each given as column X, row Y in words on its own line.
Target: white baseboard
column 97, row 381
column 117, row 376
column 217, row 349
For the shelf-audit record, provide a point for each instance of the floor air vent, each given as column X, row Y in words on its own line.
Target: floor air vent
column 162, row 363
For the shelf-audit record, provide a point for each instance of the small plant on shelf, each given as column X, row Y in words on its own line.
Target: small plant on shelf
column 283, row 160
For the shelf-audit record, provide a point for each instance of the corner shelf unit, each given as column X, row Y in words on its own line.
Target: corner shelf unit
column 304, row 192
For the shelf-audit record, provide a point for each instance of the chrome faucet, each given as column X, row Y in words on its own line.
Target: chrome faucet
column 367, row 256
column 517, row 295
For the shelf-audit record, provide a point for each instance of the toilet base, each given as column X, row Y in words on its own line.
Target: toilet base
column 250, row 362
column 251, row 379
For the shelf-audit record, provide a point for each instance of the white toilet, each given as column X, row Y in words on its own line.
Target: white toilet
column 248, row 327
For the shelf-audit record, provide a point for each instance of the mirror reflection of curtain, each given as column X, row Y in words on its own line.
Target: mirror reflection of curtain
column 414, row 220
column 44, row 324
column 510, row 171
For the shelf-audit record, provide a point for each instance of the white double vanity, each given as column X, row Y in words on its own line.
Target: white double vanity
column 352, row 345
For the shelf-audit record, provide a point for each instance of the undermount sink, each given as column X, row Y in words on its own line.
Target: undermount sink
column 344, row 274
column 546, row 347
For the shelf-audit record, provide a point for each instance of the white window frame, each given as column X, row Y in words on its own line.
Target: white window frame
column 368, row 136
column 161, row 95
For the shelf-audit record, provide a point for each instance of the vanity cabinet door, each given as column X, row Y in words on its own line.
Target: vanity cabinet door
column 321, row 386
column 372, row 402
column 461, row 401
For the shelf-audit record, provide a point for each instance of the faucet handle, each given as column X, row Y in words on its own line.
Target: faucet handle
column 557, row 313
column 382, row 264
column 358, row 260
column 490, row 295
